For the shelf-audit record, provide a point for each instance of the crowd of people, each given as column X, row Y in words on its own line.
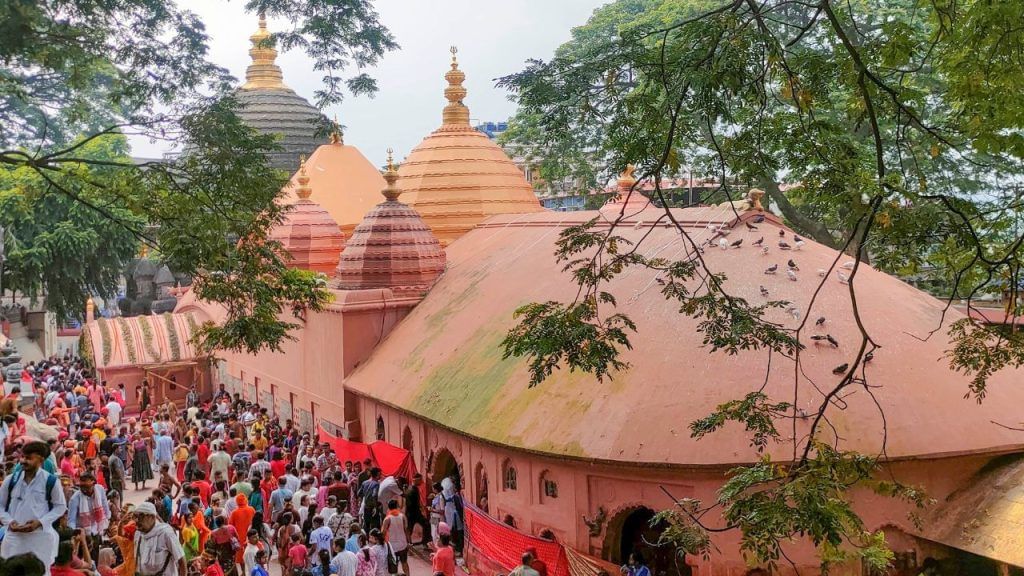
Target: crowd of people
column 229, row 490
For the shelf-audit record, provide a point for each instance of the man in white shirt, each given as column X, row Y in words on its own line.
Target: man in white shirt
column 305, row 489
column 292, row 481
column 252, row 546
column 220, row 461
column 30, row 502
column 344, row 563
column 319, row 539
column 113, row 414
column 157, row 549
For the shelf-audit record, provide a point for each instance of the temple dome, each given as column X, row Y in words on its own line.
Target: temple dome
column 308, row 233
column 343, row 181
column 270, row 107
column 391, row 248
column 457, row 177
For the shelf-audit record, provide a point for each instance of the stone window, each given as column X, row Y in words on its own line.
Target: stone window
column 380, row 427
column 508, row 473
column 548, row 486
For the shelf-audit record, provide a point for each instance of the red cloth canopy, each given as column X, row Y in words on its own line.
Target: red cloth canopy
column 504, row 545
column 392, row 460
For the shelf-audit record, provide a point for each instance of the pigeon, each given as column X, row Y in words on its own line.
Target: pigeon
column 797, row 238
column 736, row 243
column 659, row 280
column 843, row 278
column 792, row 265
column 782, row 233
column 764, row 250
column 759, row 218
column 750, row 226
column 841, row 369
column 819, row 321
column 869, row 357
column 759, row 241
column 783, row 245
column 798, row 245
column 791, row 275
column 771, row 269
column 832, row 341
column 764, row 292
column 847, row 265
column 723, row 243
column 794, row 312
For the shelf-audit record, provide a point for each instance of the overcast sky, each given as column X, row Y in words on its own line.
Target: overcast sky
column 494, row 38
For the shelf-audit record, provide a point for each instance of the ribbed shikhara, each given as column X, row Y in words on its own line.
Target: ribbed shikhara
column 391, row 248
column 283, row 112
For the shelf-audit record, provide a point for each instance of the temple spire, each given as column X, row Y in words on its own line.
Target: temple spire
column 304, row 190
column 391, row 176
column 264, row 71
column 455, row 113
column 337, row 136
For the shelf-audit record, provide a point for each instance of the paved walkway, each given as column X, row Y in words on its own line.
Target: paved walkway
column 419, row 565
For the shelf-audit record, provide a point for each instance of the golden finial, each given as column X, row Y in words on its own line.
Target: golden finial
column 264, row 71
column 391, row 176
column 455, row 113
column 626, row 179
column 337, row 136
column 304, row 190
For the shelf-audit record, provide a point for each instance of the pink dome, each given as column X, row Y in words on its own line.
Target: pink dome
column 308, row 233
column 391, row 248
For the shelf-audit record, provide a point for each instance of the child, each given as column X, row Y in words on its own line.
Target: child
column 297, row 554
column 261, row 564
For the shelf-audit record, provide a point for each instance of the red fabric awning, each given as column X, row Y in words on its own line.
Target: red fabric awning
column 504, row 545
column 392, row 460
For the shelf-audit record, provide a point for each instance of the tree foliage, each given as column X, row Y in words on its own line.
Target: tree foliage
column 78, row 76
column 884, row 129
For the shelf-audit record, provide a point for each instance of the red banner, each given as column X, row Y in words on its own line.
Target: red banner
column 504, row 545
column 392, row 460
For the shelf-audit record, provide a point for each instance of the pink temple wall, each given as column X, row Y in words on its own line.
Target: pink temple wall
column 306, row 375
column 585, row 486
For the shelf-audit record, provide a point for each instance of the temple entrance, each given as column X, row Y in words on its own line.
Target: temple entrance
column 631, row 532
column 445, row 466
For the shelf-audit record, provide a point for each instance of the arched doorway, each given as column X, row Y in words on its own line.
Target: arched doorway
column 444, row 466
column 631, row 531
column 380, row 428
column 481, row 487
column 407, row 439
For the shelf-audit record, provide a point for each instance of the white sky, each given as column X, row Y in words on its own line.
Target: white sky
column 494, row 38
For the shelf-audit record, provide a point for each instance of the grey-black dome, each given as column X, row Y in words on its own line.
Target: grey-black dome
column 282, row 112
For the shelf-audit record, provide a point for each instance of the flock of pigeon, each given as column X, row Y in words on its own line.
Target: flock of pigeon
column 792, row 268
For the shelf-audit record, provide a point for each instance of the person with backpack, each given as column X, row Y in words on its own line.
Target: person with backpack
column 31, row 500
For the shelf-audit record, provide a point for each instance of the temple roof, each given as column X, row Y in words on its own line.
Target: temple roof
column 271, row 107
column 343, row 181
column 308, row 233
column 141, row 340
column 444, row 361
column 391, row 248
column 457, row 177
